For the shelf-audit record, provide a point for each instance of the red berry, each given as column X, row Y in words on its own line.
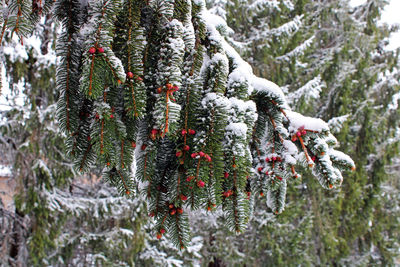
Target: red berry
column 127, row 192
column 139, row 79
column 298, row 134
column 162, row 231
column 208, row 158
column 261, row 193
column 100, row 50
column 144, row 147
column 159, row 236
column 201, row 184
column 183, row 132
column 183, row 197
column 189, row 178
column 273, row 158
column 171, row 206
column 151, row 214
column 209, row 208
column 248, row 194
column 192, row 132
column 304, row 132
column 294, row 138
column 175, row 87
column 159, row 90
column 108, row 163
column 186, row 148
column 129, row 75
column 280, row 178
column 133, row 144
column 266, row 159
column 180, row 210
column 89, row 138
column 266, row 173
column 226, row 175
column 178, row 153
column 111, row 116
column 169, row 86
column 92, row 50
column 193, row 155
column 172, row 212
column 260, row 169
column 313, row 158
column 330, row 186
column 202, row 154
column 97, row 116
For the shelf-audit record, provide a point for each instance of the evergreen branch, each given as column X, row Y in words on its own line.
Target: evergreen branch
column 3, row 30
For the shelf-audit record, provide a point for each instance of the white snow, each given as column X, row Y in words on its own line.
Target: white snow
column 5, row 171
column 309, row 91
column 336, row 123
column 238, row 129
column 297, row 121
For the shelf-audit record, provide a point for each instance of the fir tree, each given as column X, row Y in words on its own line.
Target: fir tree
column 332, row 64
column 156, row 82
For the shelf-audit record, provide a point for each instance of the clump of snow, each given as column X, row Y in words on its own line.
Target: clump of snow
column 238, row 129
column 5, row 171
column 269, row 88
column 216, row 21
column 214, row 99
column 340, row 156
column 297, row 121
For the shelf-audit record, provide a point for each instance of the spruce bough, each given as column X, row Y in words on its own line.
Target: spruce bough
column 156, row 83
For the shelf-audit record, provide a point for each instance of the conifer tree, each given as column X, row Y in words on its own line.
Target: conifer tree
column 156, row 82
column 331, row 61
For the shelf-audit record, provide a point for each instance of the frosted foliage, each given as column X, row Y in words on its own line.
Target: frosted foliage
column 262, row 4
column 62, row 201
column 309, row 91
column 298, row 51
column 288, row 28
column 336, row 123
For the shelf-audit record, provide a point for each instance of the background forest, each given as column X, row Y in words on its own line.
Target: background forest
column 331, row 60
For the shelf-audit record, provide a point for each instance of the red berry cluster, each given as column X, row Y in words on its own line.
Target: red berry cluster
column 169, row 87
column 300, row 132
column 189, row 178
column 273, row 159
column 201, row 183
column 173, row 210
column 190, row 131
column 159, row 234
column 228, row 193
column 201, row 154
column 153, row 133
column 130, row 75
column 93, row 50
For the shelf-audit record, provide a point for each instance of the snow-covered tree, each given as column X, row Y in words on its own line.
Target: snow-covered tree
column 330, row 60
column 157, row 82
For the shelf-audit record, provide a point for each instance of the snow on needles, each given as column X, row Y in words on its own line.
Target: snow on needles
column 298, row 121
column 243, row 70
